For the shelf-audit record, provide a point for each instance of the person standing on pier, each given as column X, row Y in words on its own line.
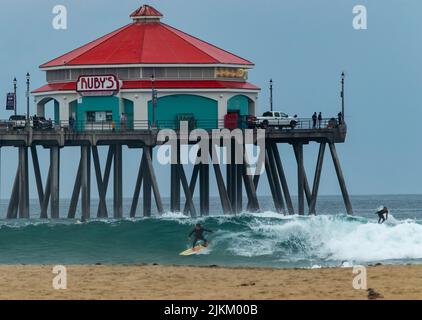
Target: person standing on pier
column 71, row 123
column 319, row 120
column 123, row 122
column 314, row 120
column 340, row 118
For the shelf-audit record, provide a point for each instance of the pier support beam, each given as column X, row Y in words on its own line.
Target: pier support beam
column 76, row 192
column 275, row 177
column 204, row 183
column 317, row 178
column 255, row 183
column 107, row 171
column 23, row 183
column 204, row 188
column 175, row 182
column 300, row 178
column 55, row 182
column 86, row 182
column 192, row 185
column 283, row 180
column 239, row 188
column 47, row 194
column 118, row 185
column 37, row 173
column 341, row 179
column 186, row 189
column 100, row 185
column 147, row 187
column 253, row 204
column 232, row 178
column 275, row 192
column 305, row 178
column 153, row 180
column 138, row 185
column 12, row 210
column 224, row 197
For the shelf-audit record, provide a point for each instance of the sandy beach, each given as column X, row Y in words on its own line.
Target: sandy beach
column 197, row 283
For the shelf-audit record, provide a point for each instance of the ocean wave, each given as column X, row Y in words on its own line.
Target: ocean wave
column 258, row 239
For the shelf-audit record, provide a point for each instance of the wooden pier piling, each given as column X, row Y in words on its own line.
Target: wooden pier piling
column 230, row 188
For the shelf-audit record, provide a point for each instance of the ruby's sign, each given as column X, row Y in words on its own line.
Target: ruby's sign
column 98, row 85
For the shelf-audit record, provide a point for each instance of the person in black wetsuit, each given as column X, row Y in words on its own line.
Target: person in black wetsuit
column 199, row 235
column 381, row 213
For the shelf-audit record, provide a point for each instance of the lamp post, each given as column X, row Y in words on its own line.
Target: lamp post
column 271, row 94
column 343, row 76
column 28, row 77
column 15, row 87
column 154, row 100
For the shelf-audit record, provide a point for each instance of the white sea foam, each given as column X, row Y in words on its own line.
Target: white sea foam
column 373, row 242
column 174, row 215
column 333, row 238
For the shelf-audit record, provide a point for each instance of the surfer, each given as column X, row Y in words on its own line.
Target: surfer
column 381, row 212
column 199, row 235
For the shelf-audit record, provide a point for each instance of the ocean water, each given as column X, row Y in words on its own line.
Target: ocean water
column 265, row 239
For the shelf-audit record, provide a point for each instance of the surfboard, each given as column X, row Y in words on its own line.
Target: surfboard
column 191, row 251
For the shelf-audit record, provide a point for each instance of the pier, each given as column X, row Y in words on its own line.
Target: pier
column 162, row 77
column 237, row 191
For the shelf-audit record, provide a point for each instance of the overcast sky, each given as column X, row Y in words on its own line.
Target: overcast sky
column 303, row 45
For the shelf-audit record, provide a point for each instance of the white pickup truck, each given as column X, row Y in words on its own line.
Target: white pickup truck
column 276, row 119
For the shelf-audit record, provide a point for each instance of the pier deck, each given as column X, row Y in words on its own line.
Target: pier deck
column 148, row 137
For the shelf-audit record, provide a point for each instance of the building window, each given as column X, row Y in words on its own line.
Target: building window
column 184, row 73
column 208, row 73
column 74, row 74
column 196, row 73
column 171, row 73
column 99, row 116
column 135, row 73
column 147, row 73
column 123, row 73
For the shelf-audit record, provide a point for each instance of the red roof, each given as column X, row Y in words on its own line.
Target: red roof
column 146, row 11
column 143, row 42
column 159, row 84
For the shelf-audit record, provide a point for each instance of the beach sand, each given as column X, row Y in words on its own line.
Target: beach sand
column 147, row 282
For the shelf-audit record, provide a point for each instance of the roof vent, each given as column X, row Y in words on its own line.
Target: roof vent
column 146, row 13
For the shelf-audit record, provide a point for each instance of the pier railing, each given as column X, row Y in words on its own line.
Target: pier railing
column 110, row 126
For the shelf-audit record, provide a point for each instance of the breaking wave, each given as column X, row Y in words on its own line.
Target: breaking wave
column 263, row 239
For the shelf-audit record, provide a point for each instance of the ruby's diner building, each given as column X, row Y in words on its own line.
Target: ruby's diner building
column 115, row 77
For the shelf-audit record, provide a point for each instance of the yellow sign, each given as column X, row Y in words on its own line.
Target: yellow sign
column 237, row 73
